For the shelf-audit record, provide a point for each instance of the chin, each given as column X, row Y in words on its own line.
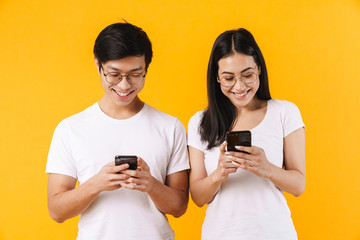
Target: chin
column 241, row 103
column 123, row 103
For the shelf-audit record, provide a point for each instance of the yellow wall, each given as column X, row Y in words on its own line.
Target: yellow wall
column 47, row 73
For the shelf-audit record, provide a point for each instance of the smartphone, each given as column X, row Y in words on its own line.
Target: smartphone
column 238, row 138
column 130, row 159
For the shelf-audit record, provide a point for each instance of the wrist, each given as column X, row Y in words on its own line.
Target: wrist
column 272, row 172
column 215, row 179
column 153, row 185
column 91, row 187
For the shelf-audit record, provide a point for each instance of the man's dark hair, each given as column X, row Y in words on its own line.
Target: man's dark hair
column 220, row 114
column 120, row 40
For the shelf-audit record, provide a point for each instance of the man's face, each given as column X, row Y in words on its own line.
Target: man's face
column 124, row 79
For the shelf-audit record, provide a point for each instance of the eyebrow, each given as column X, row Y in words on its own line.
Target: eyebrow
column 132, row 70
column 240, row 72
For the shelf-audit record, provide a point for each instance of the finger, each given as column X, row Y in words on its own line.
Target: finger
column 127, row 185
column 237, row 160
column 229, row 164
column 133, row 186
column 142, row 164
column 233, row 165
column 119, row 182
column 238, row 155
column 136, row 181
column 231, row 170
column 250, row 163
column 223, row 147
column 225, row 159
column 119, row 168
column 116, row 185
column 250, row 150
column 119, row 176
column 132, row 173
column 250, row 169
column 243, row 161
column 227, row 171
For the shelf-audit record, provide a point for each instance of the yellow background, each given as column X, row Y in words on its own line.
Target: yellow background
column 47, row 73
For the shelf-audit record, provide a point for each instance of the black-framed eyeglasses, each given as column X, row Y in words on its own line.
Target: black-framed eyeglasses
column 116, row 77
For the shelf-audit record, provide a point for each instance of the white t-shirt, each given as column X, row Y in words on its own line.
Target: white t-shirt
column 247, row 206
column 83, row 143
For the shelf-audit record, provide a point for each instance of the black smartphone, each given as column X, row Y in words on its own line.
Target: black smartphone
column 130, row 159
column 238, row 138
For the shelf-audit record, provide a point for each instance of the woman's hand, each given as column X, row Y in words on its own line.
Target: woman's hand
column 225, row 166
column 255, row 162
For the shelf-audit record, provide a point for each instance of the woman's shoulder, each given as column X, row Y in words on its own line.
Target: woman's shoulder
column 197, row 116
column 282, row 105
column 289, row 113
column 194, row 122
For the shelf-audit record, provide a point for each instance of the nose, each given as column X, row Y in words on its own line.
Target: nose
column 239, row 85
column 124, row 83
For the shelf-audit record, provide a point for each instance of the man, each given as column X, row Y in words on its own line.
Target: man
column 115, row 202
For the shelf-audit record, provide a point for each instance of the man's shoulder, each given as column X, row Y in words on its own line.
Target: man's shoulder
column 79, row 117
column 160, row 115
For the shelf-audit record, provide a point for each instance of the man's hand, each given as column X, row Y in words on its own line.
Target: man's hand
column 65, row 201
column 109, row 177
column 141, row 178
column 170, row 197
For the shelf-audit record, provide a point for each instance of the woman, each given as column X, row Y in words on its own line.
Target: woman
column 244, row 191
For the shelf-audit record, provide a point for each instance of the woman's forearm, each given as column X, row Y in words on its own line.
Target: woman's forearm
column 204, row 190
column 291, row 181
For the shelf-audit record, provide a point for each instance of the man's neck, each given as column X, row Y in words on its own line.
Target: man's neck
column 120, row 112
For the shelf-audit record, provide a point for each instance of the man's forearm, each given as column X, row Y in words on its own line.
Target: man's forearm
column 68, row 204
column 169, row 200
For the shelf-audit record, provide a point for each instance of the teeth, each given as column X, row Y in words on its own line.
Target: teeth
column 122, row 94
column 240, row 95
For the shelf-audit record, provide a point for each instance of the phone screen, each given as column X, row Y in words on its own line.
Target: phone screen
column 122, row 159
column 238, row 138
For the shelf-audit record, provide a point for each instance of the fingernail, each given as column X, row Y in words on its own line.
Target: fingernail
column 238, row 147
column 227, row 153
column 231, row 157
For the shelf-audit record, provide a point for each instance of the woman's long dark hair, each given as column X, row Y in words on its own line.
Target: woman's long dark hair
column 220, row 114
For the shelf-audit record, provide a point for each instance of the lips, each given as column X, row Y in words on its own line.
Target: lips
column 242, row 94
column 123, row 95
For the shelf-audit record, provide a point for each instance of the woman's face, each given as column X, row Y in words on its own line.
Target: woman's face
column 243, row 71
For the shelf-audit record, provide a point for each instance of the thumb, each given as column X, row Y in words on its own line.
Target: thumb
column 223, row 147
column 142, row 163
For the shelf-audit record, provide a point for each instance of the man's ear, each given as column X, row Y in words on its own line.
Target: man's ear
column 97, row 64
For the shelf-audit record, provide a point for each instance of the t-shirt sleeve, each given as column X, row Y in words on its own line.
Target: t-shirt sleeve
column 193, row 135
column 291, row 118
column 60, row 159
column 179, row 159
